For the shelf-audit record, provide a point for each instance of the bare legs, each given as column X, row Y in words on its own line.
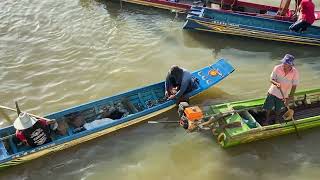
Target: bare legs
column 267, row 121
column 278, row 117
column 268, row 113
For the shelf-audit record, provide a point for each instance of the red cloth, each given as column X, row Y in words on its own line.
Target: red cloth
column 20, row 135
column 307, row 11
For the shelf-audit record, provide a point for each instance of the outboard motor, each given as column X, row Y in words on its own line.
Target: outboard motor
column 190, row 116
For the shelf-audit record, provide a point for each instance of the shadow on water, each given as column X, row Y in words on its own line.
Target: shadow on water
column 115, row 8
column 136, row 16
column 212, row 96
column 218, row 42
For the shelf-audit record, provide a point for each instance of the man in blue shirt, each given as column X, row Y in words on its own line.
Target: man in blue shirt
column 179, row 82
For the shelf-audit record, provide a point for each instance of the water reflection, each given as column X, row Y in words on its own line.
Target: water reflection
column 218, row 42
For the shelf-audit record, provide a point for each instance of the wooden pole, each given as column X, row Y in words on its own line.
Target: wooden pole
column 11, row 109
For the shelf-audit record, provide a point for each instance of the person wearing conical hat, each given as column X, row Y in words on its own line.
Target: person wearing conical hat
column 33, row 132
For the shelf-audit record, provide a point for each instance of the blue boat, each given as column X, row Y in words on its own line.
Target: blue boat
column 136, row 106
column 213, row 20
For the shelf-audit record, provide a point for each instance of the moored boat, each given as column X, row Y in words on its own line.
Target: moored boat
column 241, row 122
column 132, row 107
column 211, row 20
column 226, row 6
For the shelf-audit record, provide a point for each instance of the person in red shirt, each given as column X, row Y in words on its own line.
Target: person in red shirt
column 31, row 131
column 306, row 16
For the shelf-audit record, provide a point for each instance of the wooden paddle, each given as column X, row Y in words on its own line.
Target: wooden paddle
column 11, row 109
column 158, row 122
column 17, row 108
column 289, row 115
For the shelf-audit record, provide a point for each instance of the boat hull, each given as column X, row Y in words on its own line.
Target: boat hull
column 276, row 130
column 52, row 148
column 242, row 122
column 149, row 101
column 303, row 106
column 161, row 4
column 203, row 19
column 243, row 7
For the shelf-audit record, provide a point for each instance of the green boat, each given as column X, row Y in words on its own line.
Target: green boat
column 241, row 122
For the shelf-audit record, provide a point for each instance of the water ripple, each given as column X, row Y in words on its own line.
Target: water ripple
column 56, row 54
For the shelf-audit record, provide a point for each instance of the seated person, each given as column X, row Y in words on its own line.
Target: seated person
column 79, row 124
column 76, row 120
column 62, row 128
column 306, row 16
column 178, row 82
column 107, row 114
column 33, row 132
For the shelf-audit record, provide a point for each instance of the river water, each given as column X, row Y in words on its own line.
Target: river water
column 55, row 54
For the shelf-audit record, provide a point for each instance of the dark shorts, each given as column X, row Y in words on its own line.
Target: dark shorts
column 273, row 102
column 299, row 26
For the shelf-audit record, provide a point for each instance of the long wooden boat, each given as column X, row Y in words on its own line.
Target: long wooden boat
column 147, row 101
column 225, row 6
column 204, row 19
column 241, row 122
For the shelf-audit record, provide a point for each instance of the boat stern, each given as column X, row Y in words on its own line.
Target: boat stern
column 193, row 14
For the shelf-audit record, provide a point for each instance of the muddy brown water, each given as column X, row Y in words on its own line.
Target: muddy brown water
column 56, row 54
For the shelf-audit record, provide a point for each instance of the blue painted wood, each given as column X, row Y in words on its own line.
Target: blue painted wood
column 142, row 100
column 13, row 145
column 247, row 25
column 91, row 109
column 3, row 151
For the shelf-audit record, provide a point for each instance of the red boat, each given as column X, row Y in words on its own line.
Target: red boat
column 229, row 6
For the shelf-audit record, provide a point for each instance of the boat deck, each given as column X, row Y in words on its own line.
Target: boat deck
column 242, row 122
column 301, row 111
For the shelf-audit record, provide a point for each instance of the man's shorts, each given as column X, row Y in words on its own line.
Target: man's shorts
column 273, row 102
